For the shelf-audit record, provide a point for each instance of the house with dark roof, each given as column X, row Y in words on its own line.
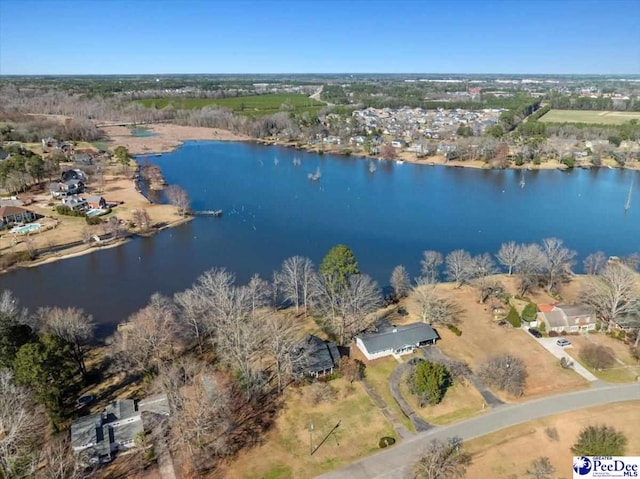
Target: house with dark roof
column 103, row 435
column 66, row 188
column 73, row 175
column 320, row 356
column 567, row 318
column 75, row 202
column 15, row 214
column 396, row 340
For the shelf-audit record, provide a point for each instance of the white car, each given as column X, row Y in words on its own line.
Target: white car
column 563, row 342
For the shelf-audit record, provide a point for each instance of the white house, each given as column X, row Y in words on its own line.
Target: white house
column 567, row 318
column 396, row 340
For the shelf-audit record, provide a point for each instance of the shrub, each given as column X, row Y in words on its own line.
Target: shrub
column 513, row 317
column 505, row 372
column 454, row 329
column 352, row 369
column 543, row 327
column 552, row 433
column 600, row 441
column 635, row 352
column 92, row 220
column 568, row 162
column 430, row 382
column 597, row 356
column 386, row 442
column 530, row 312
column 553, row 334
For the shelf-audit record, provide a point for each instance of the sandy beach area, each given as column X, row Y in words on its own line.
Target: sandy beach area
column 166, row 137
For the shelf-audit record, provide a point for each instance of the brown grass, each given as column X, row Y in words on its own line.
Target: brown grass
column 483, row 338
column 508, row 453
column 284, row 452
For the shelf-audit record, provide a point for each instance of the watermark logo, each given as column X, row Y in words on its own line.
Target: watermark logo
column 605, row 467
column 582, row 465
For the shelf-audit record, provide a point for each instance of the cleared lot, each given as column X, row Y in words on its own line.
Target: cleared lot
column 594, row 117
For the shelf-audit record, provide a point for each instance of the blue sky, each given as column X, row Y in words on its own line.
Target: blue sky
column 303, row 36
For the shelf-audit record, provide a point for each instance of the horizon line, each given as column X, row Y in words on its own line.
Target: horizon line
column 2, row 75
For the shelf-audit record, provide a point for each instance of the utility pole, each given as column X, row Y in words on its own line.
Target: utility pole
column 311, row 437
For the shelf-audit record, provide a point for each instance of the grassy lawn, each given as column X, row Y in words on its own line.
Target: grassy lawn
column 284, row 453
column 483, row 338
column 624, row 370
column 508, row 453
column 461, row 401
column 377, row 374
column 595, row 117
column 254, row 106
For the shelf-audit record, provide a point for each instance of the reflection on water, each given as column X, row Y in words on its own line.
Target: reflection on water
column 388, row 218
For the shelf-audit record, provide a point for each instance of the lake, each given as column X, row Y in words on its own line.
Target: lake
column 272, row 211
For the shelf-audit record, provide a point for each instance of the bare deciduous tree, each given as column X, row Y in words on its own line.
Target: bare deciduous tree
column 296, row 279
column 505, row 372
column 541, row 468
column 179, row 198
column 594, row 263
column 509, row 255
column 259, row 293
column 442, row 460
column 73, row 326
column 141, row 219
column 430, row 265
column 530, row 265
column 459, row 267
column 149, row 337
column 400, row 282
column 435, row 308
column 611, row 293
column 59, row 461
column 558, row 262
column 21, row 425
column 281, row 346
column 482, row 266
column 193, row 311
column 346, row 308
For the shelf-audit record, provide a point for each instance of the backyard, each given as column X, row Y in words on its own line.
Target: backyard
column 285, row 450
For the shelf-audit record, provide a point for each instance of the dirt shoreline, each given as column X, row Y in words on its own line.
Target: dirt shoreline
column 168, row 137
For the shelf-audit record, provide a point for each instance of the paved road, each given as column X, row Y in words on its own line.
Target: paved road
column 394, row 463
column 558, row 351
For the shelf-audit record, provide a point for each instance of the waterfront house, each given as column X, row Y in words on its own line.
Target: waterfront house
column 66, row 188
column 15, row 214
column 96, row 202
column 75, row 202
column 567, row 318
column 396, row 340
column 100, row 436
column 74, row 175
column 320, row 356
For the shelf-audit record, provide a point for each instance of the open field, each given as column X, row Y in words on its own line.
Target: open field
column 254, row 106
column 461, row 401
column 587, row 116
column 483, row 338
column 284, row 452
column 508, row 453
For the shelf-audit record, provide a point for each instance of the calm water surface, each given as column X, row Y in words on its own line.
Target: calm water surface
column 272, row 211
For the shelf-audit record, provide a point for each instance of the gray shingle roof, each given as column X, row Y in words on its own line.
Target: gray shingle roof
column 398, row 337
column 320, row 355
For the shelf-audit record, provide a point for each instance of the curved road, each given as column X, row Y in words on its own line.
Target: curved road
column 393, row 463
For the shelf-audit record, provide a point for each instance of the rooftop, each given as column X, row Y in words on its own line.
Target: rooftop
column 398, row 337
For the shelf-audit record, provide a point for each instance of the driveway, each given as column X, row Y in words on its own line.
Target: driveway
column 395, row 462
column 558, row 351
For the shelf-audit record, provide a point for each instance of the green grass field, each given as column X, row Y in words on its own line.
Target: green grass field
column 592, row 117
column 254, row 106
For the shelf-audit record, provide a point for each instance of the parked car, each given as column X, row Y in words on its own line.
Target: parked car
column 535, row 333
column 563, row 342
